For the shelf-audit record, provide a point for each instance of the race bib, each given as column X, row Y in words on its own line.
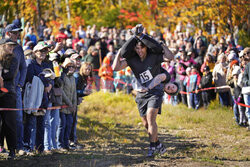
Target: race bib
column 145, row 76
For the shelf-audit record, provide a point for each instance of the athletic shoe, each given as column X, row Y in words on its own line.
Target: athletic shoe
column 72, row 146
column 62, row 150
column 11, row 155
column 151, row 152
column 76, row 145
column 21, row 152
column 161, row 149
column 248, row 128
column 47, row 152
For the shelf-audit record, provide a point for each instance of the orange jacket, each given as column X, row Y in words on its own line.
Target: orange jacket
column 105, row 72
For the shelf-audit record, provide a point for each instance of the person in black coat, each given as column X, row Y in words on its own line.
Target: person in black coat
column 9, row 71
column 206, row 82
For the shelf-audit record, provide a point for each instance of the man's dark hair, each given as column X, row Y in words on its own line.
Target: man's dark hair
column 141, row 44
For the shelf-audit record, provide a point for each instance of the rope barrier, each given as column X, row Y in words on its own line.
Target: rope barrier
column 49, row 108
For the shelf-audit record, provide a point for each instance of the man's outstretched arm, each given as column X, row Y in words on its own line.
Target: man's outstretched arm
column 167, row 55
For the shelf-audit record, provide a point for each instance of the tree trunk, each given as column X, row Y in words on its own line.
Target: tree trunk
column 68, row 10
column 38, row 11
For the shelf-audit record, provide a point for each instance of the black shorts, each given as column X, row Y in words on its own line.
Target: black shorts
column 148, row 100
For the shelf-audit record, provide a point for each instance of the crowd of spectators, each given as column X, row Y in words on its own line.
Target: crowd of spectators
column 58, row 69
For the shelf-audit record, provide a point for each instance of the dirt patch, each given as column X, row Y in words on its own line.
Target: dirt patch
column 108, row 152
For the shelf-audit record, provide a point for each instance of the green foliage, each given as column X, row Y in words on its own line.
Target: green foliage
column 244, row 38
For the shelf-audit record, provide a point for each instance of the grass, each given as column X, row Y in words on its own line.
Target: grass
column 214, row 129
column 110, row 127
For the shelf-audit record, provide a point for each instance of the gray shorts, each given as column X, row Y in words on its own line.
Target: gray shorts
column 147, row 100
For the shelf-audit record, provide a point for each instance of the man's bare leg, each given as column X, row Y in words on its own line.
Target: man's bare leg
column 152, row 126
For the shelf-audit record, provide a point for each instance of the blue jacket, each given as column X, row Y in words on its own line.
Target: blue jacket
column 21, row 65
column 34, row 69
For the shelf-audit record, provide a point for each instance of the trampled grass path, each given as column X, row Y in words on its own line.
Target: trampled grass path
column 110, row 128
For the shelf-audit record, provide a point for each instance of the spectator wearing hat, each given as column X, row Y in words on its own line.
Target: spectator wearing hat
column 232, row 56
column 69, row 98
column 34, row 126
column 219, row 78
column 76, row 58
column 12, row 32
column 52, row 116
column 206, row 82
column 61, row 36
column 68, row 44
column 8, row 72
column 67, row 54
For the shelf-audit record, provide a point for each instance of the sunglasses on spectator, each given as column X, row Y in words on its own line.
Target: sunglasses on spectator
column 14, row 32
column 71, row 66
column 43, row 50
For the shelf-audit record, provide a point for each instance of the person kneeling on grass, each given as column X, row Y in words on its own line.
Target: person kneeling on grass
column 144, row 56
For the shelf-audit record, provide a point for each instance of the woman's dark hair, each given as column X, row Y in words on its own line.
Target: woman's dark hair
column 178, row 89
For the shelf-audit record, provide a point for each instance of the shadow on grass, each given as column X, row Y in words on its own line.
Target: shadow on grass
column 109, row 144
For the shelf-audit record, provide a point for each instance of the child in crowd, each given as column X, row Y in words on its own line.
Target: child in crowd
column 193, row 84
column 188, row 72
column 106, row 74
column 206, row 82
column 128, row 79
column 119, row 81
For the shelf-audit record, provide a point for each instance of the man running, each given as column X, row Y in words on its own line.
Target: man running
column 144, row 55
